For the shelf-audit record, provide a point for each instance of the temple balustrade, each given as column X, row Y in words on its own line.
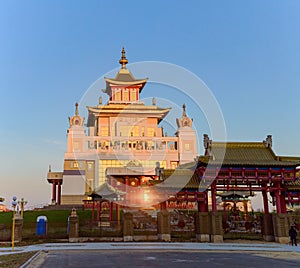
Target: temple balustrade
column 138, row 144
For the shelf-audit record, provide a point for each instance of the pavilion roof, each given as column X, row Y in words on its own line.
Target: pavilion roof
column 245, row 153
column 106, row 191
column 179, row 179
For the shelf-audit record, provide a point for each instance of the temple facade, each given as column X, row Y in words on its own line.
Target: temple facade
column 121, row 137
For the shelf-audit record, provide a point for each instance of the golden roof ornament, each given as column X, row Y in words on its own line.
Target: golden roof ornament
column 123, row 61
column 76, row 108
column 183, row 110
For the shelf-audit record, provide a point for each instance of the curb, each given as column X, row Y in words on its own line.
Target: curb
column 37, row 259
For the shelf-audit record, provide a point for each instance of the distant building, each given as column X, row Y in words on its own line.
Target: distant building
column 121, row 135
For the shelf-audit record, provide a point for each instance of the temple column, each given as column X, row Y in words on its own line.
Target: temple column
column 117, row 213
column 277, row 197
column 245, row 204
column 213, row 197
column 206, row 200
column 93, row 210
column 128, row 196
column 265, row 200
column 282, row 202
column 163, row 205
column 201, row 206
column 111, row 207
column 53, row 192
column 58, row 193
column 98, row 210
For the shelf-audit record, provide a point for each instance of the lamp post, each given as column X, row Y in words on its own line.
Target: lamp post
column 14, row 204
column 22, row 203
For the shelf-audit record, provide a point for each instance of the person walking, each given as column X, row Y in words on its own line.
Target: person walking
column 293, row 235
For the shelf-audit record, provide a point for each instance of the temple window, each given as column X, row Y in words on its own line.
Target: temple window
column 75, row 165
column 133, row 94
column 75, row 145
column 187, row 146
column 151, row 132
column 117, row 95
column 125, row 95
column 174, row 164
column 90, row 165
column 104, row 131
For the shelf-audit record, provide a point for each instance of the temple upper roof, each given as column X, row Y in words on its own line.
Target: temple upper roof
column 124, row 77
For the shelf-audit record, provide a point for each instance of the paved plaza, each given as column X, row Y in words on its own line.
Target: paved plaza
column 160, row 255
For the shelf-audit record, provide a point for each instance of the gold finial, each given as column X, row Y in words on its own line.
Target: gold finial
column 123, row 61
column 183, row 108
column 76, row 108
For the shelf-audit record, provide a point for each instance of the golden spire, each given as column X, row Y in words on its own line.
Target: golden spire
column 123, row 61
column 76, row 108
column 183, row 110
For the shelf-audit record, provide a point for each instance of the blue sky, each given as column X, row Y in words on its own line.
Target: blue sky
column 247, row 52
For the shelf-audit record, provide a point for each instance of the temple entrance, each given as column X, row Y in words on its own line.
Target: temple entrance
column 236, row 216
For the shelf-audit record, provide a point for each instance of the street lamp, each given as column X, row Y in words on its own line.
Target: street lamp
column 22, row 203
column 14, row 204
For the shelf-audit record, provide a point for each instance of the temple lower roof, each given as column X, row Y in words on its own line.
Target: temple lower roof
column 245, row 153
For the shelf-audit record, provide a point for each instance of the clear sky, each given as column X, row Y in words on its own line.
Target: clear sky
column 247, row 52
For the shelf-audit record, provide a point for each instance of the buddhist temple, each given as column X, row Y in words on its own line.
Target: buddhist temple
column 122, row 139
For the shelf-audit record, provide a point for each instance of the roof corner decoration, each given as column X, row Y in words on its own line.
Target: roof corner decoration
column 76, row 120
column 184, row 121
column 268, row 141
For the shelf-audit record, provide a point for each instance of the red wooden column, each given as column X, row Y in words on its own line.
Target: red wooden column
column 163, row 205
column 111, row 208
column 93, row 210
column 282, row 202
column 128, row 196
column 99, row 205
column 213, row 197
column 53, row 192
column 202, row 205
column 117, row 213
column 265, row 199
column 246, row 210
column 58, row 193
column 206, row 200
column 277, row 197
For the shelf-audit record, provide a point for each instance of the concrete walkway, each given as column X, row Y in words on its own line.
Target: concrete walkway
column 155, row 246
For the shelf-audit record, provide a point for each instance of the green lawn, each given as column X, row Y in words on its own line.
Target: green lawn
column 53, row 216
column 15, row 260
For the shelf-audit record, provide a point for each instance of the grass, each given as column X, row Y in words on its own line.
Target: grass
column 15, row 260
